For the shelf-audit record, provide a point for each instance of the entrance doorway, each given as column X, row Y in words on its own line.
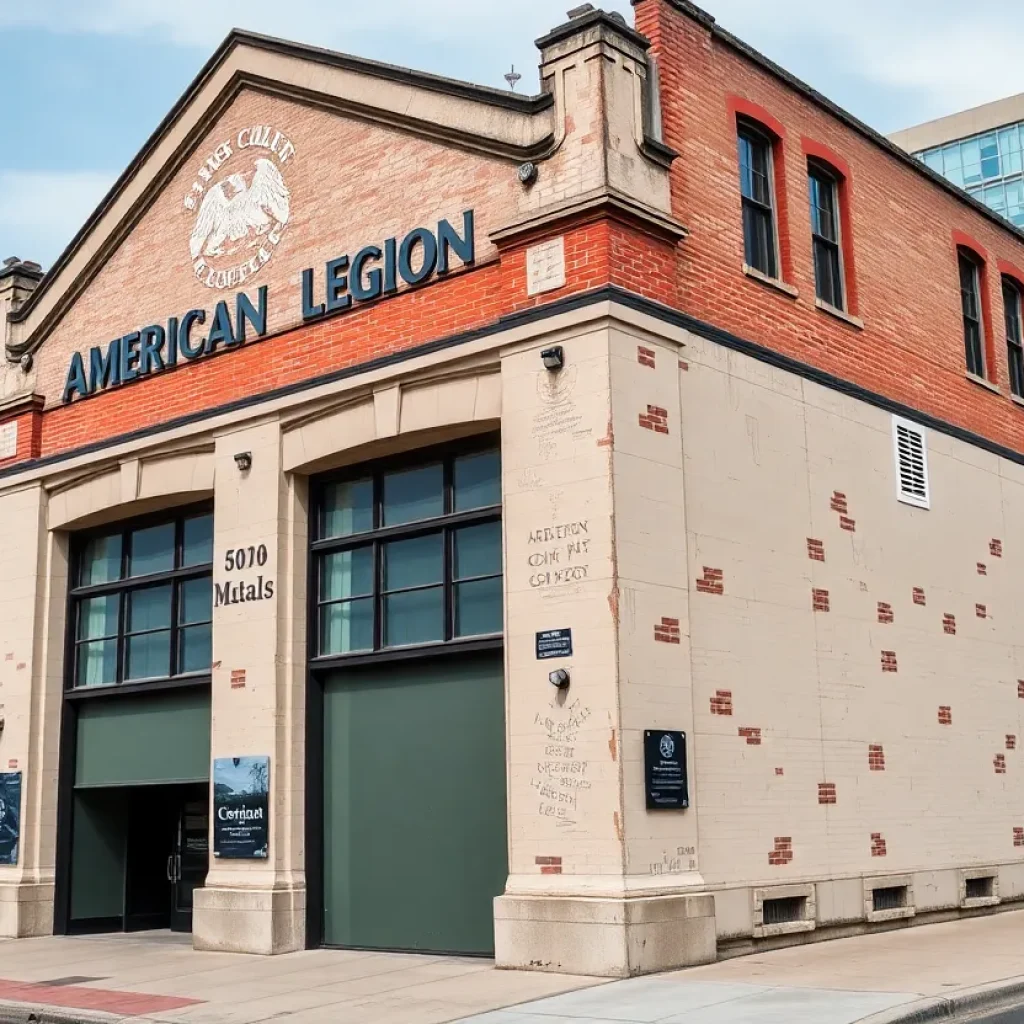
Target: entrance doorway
column 138, row 855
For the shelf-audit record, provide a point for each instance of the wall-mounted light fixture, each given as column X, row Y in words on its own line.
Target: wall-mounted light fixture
column 243, row 460
column 559, row 678
column 527, row 174
column 553, row 358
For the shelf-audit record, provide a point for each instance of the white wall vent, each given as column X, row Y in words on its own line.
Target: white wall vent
column 910, row 444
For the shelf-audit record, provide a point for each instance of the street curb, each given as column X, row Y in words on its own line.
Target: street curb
column 37, row 1013
column 965, row 1000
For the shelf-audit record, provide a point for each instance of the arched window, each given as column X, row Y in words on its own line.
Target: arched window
column 826, row 234
column 970, row 265
column 757, row 186
column 1012, row 310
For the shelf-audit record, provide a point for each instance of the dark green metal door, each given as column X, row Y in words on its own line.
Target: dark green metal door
column 415, row 845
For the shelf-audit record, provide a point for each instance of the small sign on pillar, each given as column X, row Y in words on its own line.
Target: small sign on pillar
column 665, row 770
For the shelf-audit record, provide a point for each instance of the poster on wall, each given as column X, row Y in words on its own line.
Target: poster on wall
column 241, row 807
column 10, row 816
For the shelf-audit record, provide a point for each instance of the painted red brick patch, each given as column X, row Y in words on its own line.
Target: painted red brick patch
column 819, row 600
column 782, row 853
column 999, row 763
column 655, row 419
column 848, row 524
column 995, row 548
column 1011, row 741
column 839, row 503
column 949, row 624
column 751, row 734
column 889, row 661
column 919, row 596
column 721, row 703
column 827, row 793
column 982, row 569
column 876, row 757
column 667, row 631
column 945, row 715
column 885, row 615
column 549, row 865
column 1018, row 835
column 815, row 549
column 712, row 583
column 981, row 611
column 877, row 845
column 645, row 356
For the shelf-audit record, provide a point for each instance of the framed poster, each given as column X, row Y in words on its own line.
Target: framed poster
column 10, row 816
column 241, row 807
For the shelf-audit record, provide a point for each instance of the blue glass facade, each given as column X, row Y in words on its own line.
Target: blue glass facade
column 989, row 166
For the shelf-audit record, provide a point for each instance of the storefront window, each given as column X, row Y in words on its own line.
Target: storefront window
column 143, row 605
column 410, row 556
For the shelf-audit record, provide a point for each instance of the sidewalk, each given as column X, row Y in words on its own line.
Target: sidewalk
column 906, row 974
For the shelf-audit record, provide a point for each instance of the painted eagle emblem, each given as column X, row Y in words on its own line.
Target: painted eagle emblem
column 234, row 210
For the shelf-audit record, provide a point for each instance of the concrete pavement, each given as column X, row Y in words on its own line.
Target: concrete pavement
column 922, row 973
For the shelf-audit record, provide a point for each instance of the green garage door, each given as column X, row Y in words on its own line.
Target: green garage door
column 414, row 822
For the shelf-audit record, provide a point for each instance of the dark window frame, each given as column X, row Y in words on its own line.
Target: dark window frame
column 758, row 211
column 123, row 588
column 972, row 311
column 446, row 524
column 1013, row 312
column 827, row 251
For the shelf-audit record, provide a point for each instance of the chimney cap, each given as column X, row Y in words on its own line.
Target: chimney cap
column 584, row 17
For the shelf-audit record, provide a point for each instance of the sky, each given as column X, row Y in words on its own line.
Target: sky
column 87, row 81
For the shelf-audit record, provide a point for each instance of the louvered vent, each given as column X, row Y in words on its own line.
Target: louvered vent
column 911, row 463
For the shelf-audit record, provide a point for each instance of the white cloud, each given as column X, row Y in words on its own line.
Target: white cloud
column 41, row 210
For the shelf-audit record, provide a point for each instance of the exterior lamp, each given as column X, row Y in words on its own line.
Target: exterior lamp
column 559, row 679
column 243, row 460
column 553, row 358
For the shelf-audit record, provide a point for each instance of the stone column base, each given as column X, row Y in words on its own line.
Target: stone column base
column 26, row 909
column 608, row 938
column 249, row 920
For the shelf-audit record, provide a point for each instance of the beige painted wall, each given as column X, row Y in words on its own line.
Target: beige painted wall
column 763, row 454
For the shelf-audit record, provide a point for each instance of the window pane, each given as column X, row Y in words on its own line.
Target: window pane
column 933, row 159
column 97, row 663
column 989, row 157
column 412, row 495
column 347, row 574
column 477, row 481
column 195, row 649
column 198, row 545
column 477, row 551
column 101, row 561
column 478, row 607
column 195, row 601
column 346, row 627
column 413, row 563
column 97, row 616
column 415, row 617
column 149, row 609
column 152, row 550
column 148, row 656
column 348, row 508
column 759, row 240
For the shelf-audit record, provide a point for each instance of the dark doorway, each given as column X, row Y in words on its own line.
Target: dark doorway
column 138, row 854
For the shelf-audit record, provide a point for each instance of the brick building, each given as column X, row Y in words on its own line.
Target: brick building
column 578, row 527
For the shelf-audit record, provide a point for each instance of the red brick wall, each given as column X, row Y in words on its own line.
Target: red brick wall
column 903, row 229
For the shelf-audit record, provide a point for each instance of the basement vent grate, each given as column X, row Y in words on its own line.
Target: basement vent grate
column 979, row 888
column 785, row 910
column 889, row 897
column 911, row 462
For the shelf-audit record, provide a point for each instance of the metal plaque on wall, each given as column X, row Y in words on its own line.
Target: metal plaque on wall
column 10, row 816
column 241, row 807
column 665, row 770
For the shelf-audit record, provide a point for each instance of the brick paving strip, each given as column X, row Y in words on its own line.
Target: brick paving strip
column 78, row 997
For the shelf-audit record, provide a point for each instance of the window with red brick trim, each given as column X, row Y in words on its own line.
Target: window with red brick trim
column 970, row 265
column 826, row 234
column 1013, row 312
column 757, row 188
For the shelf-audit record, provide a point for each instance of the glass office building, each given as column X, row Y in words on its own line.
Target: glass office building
column 988, row 166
